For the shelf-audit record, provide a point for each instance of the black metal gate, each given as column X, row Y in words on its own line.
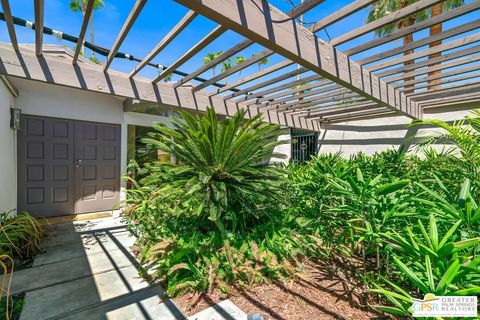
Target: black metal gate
column 304, row 145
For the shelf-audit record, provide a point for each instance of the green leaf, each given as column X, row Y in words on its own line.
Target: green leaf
column 391, row 187
column 412, row 276
column 464, row 244
column 391, row 310
column 448, row 277
column 464, row 193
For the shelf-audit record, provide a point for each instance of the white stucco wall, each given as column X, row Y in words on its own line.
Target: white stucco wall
column 283, row 148
column 8, row 160
column 42, row 99
column 373, row 135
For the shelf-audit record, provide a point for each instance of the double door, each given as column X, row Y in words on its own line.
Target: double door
column 67, row 166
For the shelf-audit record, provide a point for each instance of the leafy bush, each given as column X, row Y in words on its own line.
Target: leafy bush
column 217, row 217
column 222, row 216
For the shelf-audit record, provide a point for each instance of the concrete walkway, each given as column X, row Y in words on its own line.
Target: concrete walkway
column 87, row 271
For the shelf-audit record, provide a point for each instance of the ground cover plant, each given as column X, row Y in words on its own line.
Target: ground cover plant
column 223, row 217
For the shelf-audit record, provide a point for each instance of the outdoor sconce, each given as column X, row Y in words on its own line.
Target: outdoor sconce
column 15, row 119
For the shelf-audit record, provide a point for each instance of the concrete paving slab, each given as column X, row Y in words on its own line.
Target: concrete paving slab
column 66, row 298
column 51, row 274
column 61, row 238
column 87, row 271
column 87, row 225
column 225, row 310
column 87, row 245
column 141, row 305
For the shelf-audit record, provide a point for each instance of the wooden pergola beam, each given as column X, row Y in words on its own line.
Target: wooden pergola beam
column 300, row 81
column 388, row 19
column 303, row 8
column 132, row 17
column 293, row 14
column 447, row 81
column 222, row 57
column 358, row 115
column 57, row 71
column 445, row 91
column 176, row 30
column 435, row 77
column 422, row 42
column 346, row 11
column 463, row 99
column 338, row 109
column 444, row 17
column 252, row 60
column 298, row 95
column 39, row 15
column 333, row 99
column 327, row 96
column 420, row 69
column 83, row 30
column 9, row 21
column 268, row 82
column 301, row 46
column 209, row 38
column 255, row 76
column 427, row 52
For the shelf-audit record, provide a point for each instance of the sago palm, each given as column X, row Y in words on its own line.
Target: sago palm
column 223, row 172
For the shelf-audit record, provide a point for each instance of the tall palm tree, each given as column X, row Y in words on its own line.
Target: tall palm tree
column 384, row 7
column 262, row 62
column 81, row 6
column 239, row 60
column 210, row 57
column 226, row 65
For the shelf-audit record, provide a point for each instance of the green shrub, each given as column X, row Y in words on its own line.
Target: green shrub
column 223, row 173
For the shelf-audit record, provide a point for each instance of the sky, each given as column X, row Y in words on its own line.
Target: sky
column 159, row 16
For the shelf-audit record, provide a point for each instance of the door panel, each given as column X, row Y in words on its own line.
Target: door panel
column 45, row 166
column 97, row 166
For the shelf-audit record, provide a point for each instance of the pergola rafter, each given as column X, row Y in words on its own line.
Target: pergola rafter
column 328, row 84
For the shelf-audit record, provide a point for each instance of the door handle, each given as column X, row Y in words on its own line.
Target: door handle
column 79, row 163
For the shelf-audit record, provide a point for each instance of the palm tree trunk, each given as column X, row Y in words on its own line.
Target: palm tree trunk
column 92, row 38
column 434, row 30
column 407, row 40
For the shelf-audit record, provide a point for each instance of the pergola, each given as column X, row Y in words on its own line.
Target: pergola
column 328, row 86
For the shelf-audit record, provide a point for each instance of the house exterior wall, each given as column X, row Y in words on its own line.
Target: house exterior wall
column 374, row 135
column 47, row 100
column 8, row 156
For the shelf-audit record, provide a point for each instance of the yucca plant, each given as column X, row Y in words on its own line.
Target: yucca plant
column 223, row 172
column 429, row 261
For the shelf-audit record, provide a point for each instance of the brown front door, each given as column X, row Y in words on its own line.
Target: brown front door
column 67, row 166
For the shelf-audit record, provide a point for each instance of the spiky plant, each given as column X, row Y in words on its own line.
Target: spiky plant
column 222, row 172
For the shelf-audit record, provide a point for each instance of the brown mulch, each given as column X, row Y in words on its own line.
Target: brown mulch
column 319, row 292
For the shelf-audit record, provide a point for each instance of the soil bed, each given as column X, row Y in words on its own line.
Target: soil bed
column 319, row 292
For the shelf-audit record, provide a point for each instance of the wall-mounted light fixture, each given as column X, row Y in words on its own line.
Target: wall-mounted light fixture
column 15, row 118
